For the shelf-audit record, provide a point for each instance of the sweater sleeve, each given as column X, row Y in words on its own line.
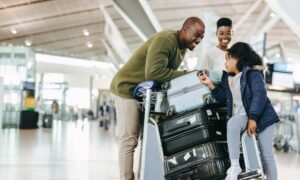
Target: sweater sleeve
column 157, row 61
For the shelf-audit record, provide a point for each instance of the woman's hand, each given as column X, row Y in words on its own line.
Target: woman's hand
column 204, row 79
column 251, row 127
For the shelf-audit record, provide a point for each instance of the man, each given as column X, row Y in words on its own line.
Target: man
column 157, row 59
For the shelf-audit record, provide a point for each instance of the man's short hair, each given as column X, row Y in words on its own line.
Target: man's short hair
column 191, row 21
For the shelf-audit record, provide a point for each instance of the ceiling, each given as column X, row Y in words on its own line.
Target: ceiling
column 56, row 26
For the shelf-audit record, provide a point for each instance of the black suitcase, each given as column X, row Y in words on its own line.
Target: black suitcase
column 193, row 128
column 212, row 169
column 219, row 120
column 187, row 139
column 196, row 154
column 198, row 117
column 28, row 119
column 47, row 121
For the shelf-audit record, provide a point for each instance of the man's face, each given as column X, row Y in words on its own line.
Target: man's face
column 193, row 35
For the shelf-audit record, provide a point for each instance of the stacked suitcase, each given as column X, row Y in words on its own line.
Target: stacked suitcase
column 189, row 136
column 190, row 142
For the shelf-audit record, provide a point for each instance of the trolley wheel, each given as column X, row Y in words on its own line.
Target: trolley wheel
column 165, row 85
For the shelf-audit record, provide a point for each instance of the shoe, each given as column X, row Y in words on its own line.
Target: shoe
column 233, row 172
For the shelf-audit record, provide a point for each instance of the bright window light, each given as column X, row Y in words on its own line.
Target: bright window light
column 72, row 61
column 82, row 101
column 191, row 63
column 53, row 77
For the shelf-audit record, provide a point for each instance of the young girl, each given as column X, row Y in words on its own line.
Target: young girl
column 248, row 107
column 215, row 56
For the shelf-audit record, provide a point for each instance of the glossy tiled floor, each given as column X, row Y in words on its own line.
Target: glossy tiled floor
column 70, row 151
column 79, row 151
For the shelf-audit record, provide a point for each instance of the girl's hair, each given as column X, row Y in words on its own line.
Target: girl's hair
column 224, row 21
column 245, row 55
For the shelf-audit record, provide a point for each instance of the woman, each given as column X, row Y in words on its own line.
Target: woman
column 214, row 58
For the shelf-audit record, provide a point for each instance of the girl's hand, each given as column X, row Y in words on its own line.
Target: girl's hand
column 251, row 128
column 204, row 79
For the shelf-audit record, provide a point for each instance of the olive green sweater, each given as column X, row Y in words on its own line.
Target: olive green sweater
column 157, row 59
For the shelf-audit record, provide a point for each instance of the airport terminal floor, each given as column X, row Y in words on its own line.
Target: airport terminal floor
column 80, row 150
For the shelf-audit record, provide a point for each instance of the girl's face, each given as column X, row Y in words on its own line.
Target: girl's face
column 230, row 64
column 224, row 35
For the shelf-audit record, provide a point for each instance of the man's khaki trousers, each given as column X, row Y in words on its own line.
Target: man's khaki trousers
column 128, row 127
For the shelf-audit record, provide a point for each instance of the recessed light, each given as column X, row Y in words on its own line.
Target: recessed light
column 28, row 42
column 89, row 44
column 86, row 32
column 13, row 31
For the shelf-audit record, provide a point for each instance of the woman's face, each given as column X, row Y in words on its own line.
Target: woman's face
column 224, row 35
column 230, row 64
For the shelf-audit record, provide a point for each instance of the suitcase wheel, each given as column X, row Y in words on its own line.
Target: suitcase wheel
column 170, row 112
column 165, row 85
column 207, row 99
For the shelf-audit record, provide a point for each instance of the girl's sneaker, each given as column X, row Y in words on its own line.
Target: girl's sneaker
column 233, row 172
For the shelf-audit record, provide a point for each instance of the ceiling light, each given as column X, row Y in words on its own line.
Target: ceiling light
column 96, row 76
column 28, row 42
column 86, row 32
column 89, row 44
column 277, row 55
column 272, row 14
column 13, row 31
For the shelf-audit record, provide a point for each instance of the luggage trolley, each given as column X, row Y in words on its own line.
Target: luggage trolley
column 153, row 160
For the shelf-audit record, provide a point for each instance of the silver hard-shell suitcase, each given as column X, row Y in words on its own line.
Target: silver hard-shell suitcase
column 187, row 92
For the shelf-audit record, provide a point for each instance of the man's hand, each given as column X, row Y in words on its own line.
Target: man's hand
column 204, row 79
column 251, row 127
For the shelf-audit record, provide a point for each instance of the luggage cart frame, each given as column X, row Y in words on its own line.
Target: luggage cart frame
column 152, row 160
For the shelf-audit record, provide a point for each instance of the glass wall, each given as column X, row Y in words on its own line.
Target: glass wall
column 17, row 65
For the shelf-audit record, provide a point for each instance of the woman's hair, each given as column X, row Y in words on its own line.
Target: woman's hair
column 245, row 55
column 224, row 21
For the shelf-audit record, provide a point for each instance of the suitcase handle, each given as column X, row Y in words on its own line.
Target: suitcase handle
column 179, row 126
